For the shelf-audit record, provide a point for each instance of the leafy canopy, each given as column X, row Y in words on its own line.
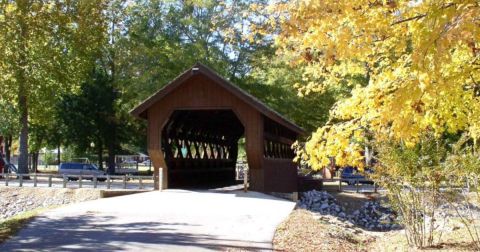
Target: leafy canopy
column 412, row 65
column 46, row 48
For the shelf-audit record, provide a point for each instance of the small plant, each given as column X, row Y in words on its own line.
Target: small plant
column 413, row 177
column 461, row 190
column 431, row 175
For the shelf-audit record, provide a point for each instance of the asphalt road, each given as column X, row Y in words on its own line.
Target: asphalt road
column 172, row 220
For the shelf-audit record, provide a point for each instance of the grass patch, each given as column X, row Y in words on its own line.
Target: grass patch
column 451, row 240
column 11, row 226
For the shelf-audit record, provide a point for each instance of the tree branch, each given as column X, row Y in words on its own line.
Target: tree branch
column 409, row 19
column 420, row 16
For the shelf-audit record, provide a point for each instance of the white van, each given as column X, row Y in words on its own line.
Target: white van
column 79, row 169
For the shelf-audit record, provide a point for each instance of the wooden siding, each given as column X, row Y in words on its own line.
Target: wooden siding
column 199, row 93
column 263, row 129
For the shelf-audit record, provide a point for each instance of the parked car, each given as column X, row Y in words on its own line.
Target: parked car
column 129, row 162
column 80, row 169
column 146, row 162
column 6, row 167
column 126, row 171
column 2, row 163
column 10, row 168
column 350, row 175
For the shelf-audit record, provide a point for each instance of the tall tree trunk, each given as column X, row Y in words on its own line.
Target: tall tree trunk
column 22, row 86
column 8, row 147
column 59, row 155
column 23, row 157
column 113, row 138
column 111, row 151
column 111, row 161
column 35, row 161
column 100, row 155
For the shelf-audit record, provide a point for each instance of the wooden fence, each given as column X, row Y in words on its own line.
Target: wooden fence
column 77, row 181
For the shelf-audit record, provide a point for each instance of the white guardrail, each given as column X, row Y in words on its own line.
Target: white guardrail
column 77, row 181
column 358, row 183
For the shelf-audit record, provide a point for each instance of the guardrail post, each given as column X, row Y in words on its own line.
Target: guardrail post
column 124, row 181
column 357, row 185
column 50, row 180
column 95, row 181
column 35, row 180
column 80, row 180
column 65, row 181
column 140, row 183
column 374, row 187
column 108, row 181
column 20, row 182
column 7, row 177
column 245, row 179
column 160, row 179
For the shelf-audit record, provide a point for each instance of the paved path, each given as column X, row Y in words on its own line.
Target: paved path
column 172, row 220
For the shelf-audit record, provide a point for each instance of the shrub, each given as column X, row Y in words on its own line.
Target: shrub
column 412, row 178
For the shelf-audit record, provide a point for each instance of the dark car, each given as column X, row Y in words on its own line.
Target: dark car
column 351, row 175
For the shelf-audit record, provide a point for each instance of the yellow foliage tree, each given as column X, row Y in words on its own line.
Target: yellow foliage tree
column 420, row 59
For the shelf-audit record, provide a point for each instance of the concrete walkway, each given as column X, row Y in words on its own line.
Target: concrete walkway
column 172, row 220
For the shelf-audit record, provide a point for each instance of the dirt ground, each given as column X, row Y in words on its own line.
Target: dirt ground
column 303, row 231
column 308, row 231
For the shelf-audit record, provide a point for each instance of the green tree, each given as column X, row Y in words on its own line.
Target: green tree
column 45, row 48
column 271, row 81
column 151, row 42
column 91, row 117
column 160, row 39
column 8, row 125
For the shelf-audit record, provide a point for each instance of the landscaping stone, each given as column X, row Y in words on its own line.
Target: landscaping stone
column 14, row 201
column 372, row 215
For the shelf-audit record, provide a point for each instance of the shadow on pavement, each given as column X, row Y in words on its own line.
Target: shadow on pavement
column 97, row 233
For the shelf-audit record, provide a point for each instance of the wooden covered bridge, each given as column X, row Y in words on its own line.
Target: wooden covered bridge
column 195, row 123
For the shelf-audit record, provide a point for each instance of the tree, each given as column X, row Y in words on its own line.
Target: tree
column 90, row 117
column 271, row 81
column 420, row 62
column 37, row 138
column 45, row 48
column 160, row 39
column 8, row 125
column 151, row 42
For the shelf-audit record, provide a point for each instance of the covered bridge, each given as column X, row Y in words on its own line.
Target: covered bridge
column 195, row 123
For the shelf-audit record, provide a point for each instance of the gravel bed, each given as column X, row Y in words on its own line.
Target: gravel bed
column 371, row 216
column 17, row 200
